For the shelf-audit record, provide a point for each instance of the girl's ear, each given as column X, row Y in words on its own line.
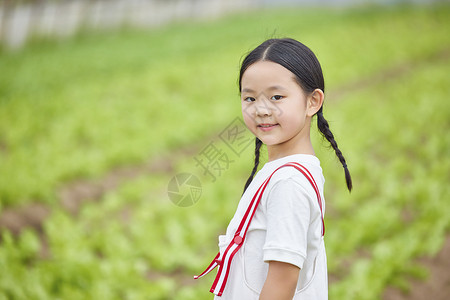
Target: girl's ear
column 315, row 101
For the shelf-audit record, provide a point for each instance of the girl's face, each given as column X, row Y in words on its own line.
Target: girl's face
column 275, row 108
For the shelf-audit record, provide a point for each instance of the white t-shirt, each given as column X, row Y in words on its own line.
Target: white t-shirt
column 286, row 227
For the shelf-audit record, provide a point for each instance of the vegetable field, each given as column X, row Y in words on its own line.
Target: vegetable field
column 93, row 129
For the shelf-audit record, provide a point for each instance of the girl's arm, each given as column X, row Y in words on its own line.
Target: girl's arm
column 281, row 281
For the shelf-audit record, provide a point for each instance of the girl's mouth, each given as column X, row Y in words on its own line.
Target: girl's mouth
column 266, row 127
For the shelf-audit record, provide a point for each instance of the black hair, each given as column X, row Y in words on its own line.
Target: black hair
column 303, row 63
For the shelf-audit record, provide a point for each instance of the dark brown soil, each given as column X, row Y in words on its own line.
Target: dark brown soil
column 74, row 194
column 30, row 216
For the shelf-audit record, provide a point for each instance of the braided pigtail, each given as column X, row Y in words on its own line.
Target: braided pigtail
column 324, row 128
column 258, row 145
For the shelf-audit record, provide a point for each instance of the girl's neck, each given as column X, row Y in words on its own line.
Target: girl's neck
column 290, row 147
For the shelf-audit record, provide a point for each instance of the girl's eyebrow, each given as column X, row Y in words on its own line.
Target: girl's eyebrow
column 274, row 87
column 247, row 90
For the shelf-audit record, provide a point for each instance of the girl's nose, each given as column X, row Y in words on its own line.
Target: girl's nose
column 263, row 109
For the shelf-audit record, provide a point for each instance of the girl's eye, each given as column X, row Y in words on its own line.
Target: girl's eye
column 277, row 97
column 249, row 99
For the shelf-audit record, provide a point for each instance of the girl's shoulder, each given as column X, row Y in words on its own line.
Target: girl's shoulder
column 309, row 162
column 290, row 176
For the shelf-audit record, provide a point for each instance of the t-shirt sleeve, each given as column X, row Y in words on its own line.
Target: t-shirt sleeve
column 288, row 218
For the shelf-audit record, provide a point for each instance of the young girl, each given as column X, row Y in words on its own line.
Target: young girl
column 273, row 247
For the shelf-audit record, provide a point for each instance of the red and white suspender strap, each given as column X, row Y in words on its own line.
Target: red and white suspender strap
column 224, row 262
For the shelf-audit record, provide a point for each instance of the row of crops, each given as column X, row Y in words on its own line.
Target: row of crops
column 78, row 109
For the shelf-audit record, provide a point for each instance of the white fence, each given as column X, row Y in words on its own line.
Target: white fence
column 63, row 18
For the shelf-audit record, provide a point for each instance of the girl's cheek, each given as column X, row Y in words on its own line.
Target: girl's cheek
column 248, row 110
column 248, row 119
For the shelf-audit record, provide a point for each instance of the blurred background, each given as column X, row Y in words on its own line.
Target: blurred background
column 123, row 154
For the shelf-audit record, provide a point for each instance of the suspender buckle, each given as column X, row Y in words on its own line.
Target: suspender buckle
column 237, row 240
